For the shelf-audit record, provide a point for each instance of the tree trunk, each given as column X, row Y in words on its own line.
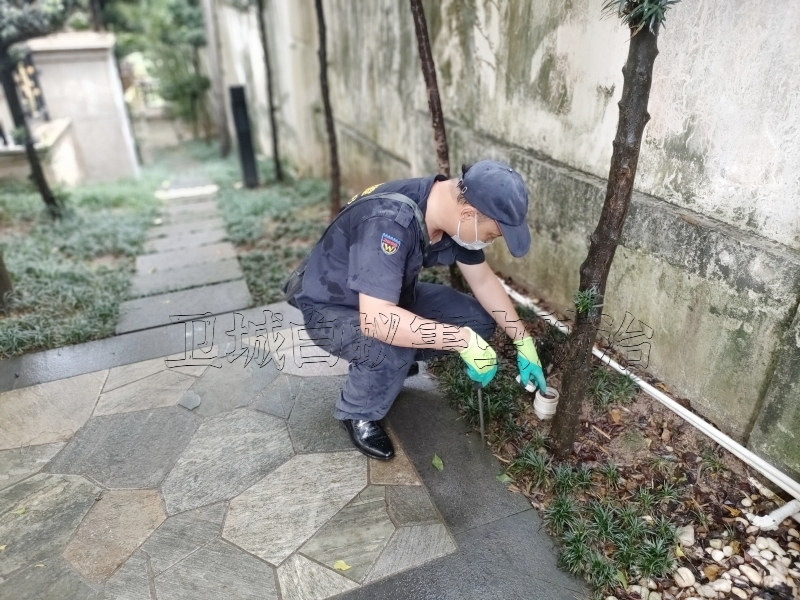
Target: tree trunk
column 96, row 10
column 435, row 106
column 429, row 73
column 18, row 115
column 216, row 75
column 326, row 102
column 5, row 283
column 262, row 28
column 633, row 116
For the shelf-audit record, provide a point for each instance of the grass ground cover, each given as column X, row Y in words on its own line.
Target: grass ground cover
column 272, row 227
column 639, row 482
column 70, row 275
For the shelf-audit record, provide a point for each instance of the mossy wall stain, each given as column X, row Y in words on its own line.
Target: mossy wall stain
column 528, row 24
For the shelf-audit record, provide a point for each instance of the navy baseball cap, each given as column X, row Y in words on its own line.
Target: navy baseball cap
column 498, row 191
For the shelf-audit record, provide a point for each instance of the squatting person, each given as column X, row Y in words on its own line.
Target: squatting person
column 360, row 287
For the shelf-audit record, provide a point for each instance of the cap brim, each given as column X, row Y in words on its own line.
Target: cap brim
column 517, row 237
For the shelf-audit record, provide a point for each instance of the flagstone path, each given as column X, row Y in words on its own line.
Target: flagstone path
column 188, row 268
column 181, row 478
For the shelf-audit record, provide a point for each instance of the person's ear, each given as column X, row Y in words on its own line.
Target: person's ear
column 467, row 213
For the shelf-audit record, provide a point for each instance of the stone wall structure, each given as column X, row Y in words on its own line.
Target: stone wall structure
column 80, row 81
column 709, row 264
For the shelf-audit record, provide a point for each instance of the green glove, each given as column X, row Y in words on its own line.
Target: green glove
column 530, row 367
column 480, row 358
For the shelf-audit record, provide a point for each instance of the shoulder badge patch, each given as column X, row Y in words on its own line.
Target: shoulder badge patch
column 389, row 244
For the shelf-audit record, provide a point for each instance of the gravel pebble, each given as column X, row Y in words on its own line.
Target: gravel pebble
column 706, row 591
column 793, row 533
column 722, row 585
column 739, row 593
column 768, row 554
column 718, row 555
column 746, row 502
column 684, row 578
column 751, row 574
column 762, row 543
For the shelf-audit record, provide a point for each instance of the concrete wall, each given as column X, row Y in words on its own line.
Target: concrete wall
column 79, row 79
column 710, row 256
column 55, row 144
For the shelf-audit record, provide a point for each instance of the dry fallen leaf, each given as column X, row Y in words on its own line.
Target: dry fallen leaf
column 711, row 571
column 340, row 565
column 616, row 416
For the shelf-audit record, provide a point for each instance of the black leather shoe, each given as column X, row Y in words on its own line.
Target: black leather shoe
column 369, row 438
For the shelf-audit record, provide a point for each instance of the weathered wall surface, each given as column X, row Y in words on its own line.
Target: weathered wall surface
column 709, row 258
column 80, row 82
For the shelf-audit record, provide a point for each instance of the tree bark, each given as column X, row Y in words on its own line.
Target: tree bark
column 217, row 76
column 5, row 283
column 429, row 73
column 96, row 10
column 262, row 28
column 633, row 116
column 333, row 150
column 17, row 114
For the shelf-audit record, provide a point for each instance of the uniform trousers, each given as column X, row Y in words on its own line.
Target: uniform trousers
column 377, row 369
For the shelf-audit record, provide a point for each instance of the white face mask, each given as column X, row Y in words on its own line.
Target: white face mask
column 476, row 245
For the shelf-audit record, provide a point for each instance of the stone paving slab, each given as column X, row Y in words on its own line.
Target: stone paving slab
column 38, row 516
column 356, row 535
column 312, row 425
column 134, row 372
column 156, row 310
column 228, row 454
column 174, row 259
column 183, row 534
column 232, row 385
column 192, row 226
column 129, row 450
column 411, row 547
column 130, row 582
column 302, row 579
column 49, row 412
column 116, row 525
column 178, row 210
column 182, row 278
column 164, row 388
column 276, row 516
column 215, row 572
column 186, row 241
column 50, row 579
column 18, row 463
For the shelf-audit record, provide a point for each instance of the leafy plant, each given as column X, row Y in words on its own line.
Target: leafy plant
column 576, row 549
column 644, row 498
column 532, row 463
column 607, row 387
column 564, row 478
column 561, row 514
column 602, row 521
column 584, row 300
column 655, row 559
column 612, row 475
column 638, row 14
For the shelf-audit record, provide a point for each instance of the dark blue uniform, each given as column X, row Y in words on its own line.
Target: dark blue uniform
column 375, row 248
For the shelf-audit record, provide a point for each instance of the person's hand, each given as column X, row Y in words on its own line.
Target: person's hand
column 530, row 367
column 480, row 358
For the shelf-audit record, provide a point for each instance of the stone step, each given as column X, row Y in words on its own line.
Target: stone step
column 177, row 307
column 183, row 228
column 159, row 282
column 175, row 259
column 174, row 210
column 187, row 240
column 184, row 218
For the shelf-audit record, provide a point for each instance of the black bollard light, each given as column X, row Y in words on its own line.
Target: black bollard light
column 244, row 137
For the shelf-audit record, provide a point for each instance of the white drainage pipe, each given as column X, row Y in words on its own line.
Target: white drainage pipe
column 759, row 464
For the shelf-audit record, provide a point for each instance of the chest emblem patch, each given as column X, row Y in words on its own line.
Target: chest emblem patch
column 389, row 244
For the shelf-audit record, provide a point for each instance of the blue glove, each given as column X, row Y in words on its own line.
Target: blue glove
column 530, row 367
